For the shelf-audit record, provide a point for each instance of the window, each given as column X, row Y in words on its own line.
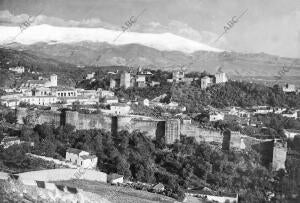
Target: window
column 81, row 163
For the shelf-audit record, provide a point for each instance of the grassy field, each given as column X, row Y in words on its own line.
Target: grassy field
column 117, row 194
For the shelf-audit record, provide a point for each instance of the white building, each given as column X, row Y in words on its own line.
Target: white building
column 216, row 116
column 291, row 133
column 262, row 110
column 90, row 76
column 290, row 114
column 178, row 76
column 289, row 88
column 9, row 141
column 10, row 103
column 146, row 102
column 65, row 92
column 41, row 82
column 111, row 100
column 11, row 100
column 39, row 100
column 221, row 78
column 18, row 69
column 112, row 83
column 279, row 110
column 106, row 93
column 140, row 80
column 81, row 158
column 206, row 82
column 120, row 109
column 88, row 93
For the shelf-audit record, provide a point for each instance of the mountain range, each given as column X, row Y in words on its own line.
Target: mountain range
column 96, row 47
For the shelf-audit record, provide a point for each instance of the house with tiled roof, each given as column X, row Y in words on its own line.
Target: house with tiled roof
column 81, row 158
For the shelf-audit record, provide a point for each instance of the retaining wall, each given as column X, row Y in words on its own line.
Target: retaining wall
column 62, row 174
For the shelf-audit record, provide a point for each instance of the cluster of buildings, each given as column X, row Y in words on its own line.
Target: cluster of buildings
column 246, row 116
column 127, row 79
column 18, row 69
column 46, row 92
column 217, row 78
column 179, row 77
column 81, row 158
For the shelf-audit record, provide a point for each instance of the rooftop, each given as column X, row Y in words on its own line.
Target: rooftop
column 74, row 151
column 114, row 176
column 84, row 157
column 63, row 88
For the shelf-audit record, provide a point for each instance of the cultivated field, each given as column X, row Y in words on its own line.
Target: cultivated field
column 117, row 194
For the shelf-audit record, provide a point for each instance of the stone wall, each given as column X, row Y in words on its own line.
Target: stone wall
column 52, row 117
column 149, row 127
column 231, row 140
column 87, row 121
column 201, row 134
column 38, row 116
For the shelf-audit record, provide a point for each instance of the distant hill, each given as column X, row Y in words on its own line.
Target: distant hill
column 103, row 54
column 74, row 59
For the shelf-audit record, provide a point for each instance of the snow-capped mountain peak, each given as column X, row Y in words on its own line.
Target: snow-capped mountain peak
column 52, row 34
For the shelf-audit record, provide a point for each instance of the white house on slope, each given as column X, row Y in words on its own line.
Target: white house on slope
column 81, row 158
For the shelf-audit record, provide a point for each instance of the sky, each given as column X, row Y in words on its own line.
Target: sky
column 269, row 26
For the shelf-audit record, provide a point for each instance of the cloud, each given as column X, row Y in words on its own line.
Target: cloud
column 7, row 18
column 278, row 35
column 184, row 30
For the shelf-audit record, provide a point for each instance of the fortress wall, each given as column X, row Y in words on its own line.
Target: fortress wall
column 52, row 117
column 147, row 126
column 41, row 116
column 88, row 121
column 201, row 134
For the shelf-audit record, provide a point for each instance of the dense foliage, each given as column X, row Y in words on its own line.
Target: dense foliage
column 232, row 93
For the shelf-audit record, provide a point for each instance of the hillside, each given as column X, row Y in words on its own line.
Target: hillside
column 45, row 66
